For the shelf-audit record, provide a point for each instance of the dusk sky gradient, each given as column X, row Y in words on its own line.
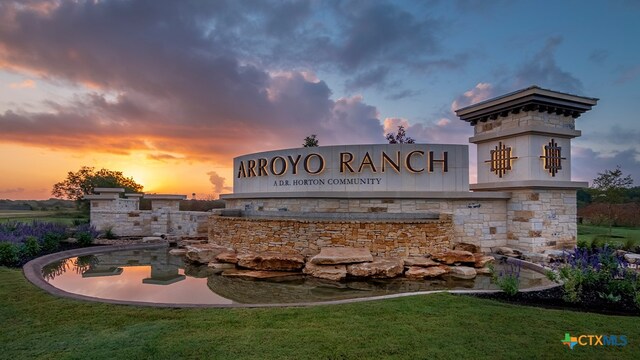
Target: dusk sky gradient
column 170, row 91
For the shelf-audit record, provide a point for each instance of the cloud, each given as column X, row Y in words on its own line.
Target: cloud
column 12, row 190
column 162, row 157
column 543, row 70
column 616, row 138
column 480, row 92
column 475, row 7
column 379, row 32
column 598, row 56
column 407, row 93
column 392, row 124
column 628, row 74
column 587, row 163
column 25, row 84
column 374, row 77
column 217, row 181
column 182, row 80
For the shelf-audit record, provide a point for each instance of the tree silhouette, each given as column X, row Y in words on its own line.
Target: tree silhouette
column 82, row 182
column 399, row 138
column 310, row 141
column 610, row 187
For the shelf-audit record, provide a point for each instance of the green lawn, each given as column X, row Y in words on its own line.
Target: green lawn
column 60, row 216
column 620, row 235
column 443, row 326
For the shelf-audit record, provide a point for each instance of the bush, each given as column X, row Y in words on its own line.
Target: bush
column 31, row 247
column 9, row 254
column 600, row 271
column 598, row 242
column 572, row 284
column 508, row 280
column 18, row 232
column 84, row 239
column 109, row 234
column 51, row 241
column 551, row 275
column 629, row 244
column 582, row 244
column 88, row 229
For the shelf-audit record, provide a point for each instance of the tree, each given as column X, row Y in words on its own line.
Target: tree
column 80, row 183
column 399, row 138
column 310, row 141
column 610, row 187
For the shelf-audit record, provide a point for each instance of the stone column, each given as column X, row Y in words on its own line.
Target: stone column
column 162, row 206
column 524, row 146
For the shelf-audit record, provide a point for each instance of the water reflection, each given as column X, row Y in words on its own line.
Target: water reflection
column 156, row 276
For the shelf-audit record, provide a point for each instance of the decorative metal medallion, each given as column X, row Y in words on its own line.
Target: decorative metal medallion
column 552, row 157
column 501, row 159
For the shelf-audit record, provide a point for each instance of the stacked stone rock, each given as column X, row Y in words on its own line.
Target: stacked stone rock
column 338, row 263
column 392, row 239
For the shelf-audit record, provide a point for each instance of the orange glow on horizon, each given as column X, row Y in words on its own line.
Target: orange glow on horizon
column 28, row 173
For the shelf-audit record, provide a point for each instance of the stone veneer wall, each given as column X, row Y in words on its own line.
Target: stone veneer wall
column 391, row 238
column 123, row 218
column 479, row 222
column 542, row 219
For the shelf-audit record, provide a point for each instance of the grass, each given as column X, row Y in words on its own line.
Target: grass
column 442, row 326
column 59, row 216
column 620, row 235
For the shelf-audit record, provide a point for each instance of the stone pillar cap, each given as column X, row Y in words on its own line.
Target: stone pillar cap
column 108, row 190
column 165, row 197
column 532, row 98
column 101, row 197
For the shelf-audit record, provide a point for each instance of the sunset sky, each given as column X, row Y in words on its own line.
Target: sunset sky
column 170, row 91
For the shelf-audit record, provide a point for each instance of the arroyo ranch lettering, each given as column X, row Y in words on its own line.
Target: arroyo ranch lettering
column 416, row 161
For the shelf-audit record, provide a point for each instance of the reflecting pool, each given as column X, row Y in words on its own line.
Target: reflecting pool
column 153, row 275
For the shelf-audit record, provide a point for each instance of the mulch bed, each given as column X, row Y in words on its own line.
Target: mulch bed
column 552, row 299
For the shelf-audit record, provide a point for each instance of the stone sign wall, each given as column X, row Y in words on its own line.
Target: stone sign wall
column 354, row 168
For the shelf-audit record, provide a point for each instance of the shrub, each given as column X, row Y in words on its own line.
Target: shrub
column 51, row 241
column 582, row 244
column 109, row 234
column 84, row 239
column 507, row 280
column 629, row 244
column 551, row 275
column 598, row 242
column 9, row 254
column 599, row 271
column 17, row 232
column 610, row 297
column 31, row 247
column 572, row 284
column 87, row 228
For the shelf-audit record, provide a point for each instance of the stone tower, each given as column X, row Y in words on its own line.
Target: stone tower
column 524, row 147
